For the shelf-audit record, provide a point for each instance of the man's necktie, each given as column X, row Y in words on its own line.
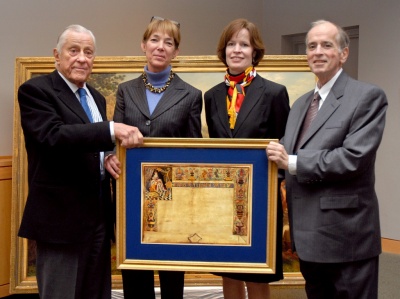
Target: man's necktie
column 311, row 113
column 82, row 96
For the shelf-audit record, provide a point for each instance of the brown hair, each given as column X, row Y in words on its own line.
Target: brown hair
column 255, row 39
column 165, row 26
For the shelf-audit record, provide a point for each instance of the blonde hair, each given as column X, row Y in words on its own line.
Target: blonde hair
column 165, row 26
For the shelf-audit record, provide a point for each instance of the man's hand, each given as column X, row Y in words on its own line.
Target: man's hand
column 113, row 166
column 277, row 153
column 128, row 135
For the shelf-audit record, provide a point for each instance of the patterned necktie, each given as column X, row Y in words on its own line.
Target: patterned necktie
column 311, row 113
column 85, row 106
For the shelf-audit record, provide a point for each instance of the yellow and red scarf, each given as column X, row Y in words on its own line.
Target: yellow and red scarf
column 236, row 92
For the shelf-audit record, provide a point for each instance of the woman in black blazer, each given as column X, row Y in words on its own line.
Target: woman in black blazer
column 160, row 104
column 246, row 105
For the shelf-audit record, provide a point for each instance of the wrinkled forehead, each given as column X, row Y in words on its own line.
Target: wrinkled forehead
column 322, row 32
column 79, row 39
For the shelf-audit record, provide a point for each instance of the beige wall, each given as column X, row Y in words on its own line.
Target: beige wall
column 30, row 28
column 379, row 63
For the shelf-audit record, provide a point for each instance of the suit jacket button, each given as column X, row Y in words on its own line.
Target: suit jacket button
column 148, row 122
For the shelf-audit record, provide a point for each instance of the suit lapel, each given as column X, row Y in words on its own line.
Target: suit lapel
column 172, row 95
column 68, row 97
column 298, row 119
column 253, row 95
column 137, row 94
column 220, row 103
column 329, row 106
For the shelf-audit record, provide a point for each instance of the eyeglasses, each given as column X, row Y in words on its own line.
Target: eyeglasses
column 162, row 19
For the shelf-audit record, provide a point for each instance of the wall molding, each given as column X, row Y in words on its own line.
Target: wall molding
column 391, row 246
column 5, row 223
column 5, row 167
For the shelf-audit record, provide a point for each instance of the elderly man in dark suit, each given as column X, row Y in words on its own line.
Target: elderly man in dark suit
column 333, row 207
column 69, row 197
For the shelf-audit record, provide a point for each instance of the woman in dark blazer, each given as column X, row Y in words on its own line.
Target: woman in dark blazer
column 160, row 104
column 246, row 105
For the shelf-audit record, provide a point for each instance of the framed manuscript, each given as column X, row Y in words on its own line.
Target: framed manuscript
column 197, row 205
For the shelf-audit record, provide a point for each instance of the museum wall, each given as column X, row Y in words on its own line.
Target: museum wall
column 30, row 28
column 378, row 63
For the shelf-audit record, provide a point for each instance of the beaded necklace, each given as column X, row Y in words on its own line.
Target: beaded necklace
column 150, row 86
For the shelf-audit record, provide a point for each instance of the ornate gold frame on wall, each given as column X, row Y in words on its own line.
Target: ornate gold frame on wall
column 202, row 72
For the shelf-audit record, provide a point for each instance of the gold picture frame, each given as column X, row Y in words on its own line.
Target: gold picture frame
column 202, row 72
column 171, row 184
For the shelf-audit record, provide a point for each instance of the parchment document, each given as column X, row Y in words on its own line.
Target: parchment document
column 200, row 204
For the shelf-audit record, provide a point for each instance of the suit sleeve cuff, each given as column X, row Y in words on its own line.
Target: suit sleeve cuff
column 112, row 131
column 292, row 164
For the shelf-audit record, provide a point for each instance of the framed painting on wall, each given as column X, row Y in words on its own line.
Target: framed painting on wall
column 202, row 72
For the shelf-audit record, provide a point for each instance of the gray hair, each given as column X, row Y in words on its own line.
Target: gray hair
column 342, row 37
column 73, row 28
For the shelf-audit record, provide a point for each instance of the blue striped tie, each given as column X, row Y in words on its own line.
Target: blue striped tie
column 85, row 106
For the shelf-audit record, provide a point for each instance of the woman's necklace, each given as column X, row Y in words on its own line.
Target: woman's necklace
column 150, row 87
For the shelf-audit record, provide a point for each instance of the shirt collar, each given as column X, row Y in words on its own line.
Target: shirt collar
column 324, row 90
column 71, row 85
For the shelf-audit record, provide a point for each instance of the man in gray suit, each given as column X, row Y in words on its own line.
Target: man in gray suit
column 330, row 173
